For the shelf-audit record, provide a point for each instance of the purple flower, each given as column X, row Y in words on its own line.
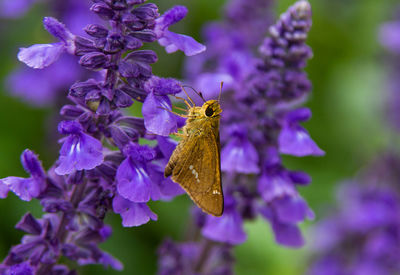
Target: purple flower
column 79, row 151
column 132, row 214
column 24, row 188
column 287, row 234
column 294, row 139
column 133, row 180
column 239, row 155
column 40, row 56
column 389, row 36
column 263, row 92
column 15, row 8
column 156, row 109
column 361, row 235
column 173, row 41
column 228, row 228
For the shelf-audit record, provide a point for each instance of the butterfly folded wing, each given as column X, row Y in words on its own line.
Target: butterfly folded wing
column 195, row 165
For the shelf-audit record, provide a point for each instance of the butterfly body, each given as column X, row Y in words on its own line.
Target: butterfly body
column 195, row 163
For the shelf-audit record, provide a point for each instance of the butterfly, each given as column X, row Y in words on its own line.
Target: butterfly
column 195, row 164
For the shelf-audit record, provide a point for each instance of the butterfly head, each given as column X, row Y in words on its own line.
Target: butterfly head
column 211, row 109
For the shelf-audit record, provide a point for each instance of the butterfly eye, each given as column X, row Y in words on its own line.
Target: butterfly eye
column 209, row 111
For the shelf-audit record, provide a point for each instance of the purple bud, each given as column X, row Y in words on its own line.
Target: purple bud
column 96, row 30
column 128, row 69
column 103, row 10
column 132, row 43
column 69, row 127
column 147, row 56
column 145, row 35
column 146, row 12
column 122, row 100
column 114, row 43
column 29, row 224
column 93, row 60
column 80, row 89
column 83, row 45
column 71, row 111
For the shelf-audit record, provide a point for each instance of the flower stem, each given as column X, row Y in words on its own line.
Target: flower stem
column 203, row 257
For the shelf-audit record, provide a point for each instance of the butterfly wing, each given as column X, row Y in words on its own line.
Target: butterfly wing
column 195, row 165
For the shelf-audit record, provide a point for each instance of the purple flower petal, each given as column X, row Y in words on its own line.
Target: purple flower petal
column 291, row 209
column 25, row 189
column 166, row 145
column 285, row 233
column 133, row 181
column 133, row 214
column 228, row 228
column 157, row 120
column 79, row 151
column 174, row 41
column 272, row 185
column 105, row 259
column 32, row 165
column 389, row 36
column 58, row 30
column 295, row 140
column 163, row 188
column 3, row 190
column 288, row 234
column 239, row 155
column 29, row 224
column 40, row 56
column 170, row 17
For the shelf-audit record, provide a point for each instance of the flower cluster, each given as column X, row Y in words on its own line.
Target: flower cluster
column 362, row 236
column 261, row 120
column 101, row 166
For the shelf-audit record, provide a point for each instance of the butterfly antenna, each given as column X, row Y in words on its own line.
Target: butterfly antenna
column 197, row 93
column 190, row 99
column 220, row 91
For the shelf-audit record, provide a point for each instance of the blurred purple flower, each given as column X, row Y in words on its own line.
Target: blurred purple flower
column 15, row 8
column 228, row 228
column 260, row 120
column 362, row 235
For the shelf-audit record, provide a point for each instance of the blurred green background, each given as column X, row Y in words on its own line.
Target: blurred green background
column 348, row 73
